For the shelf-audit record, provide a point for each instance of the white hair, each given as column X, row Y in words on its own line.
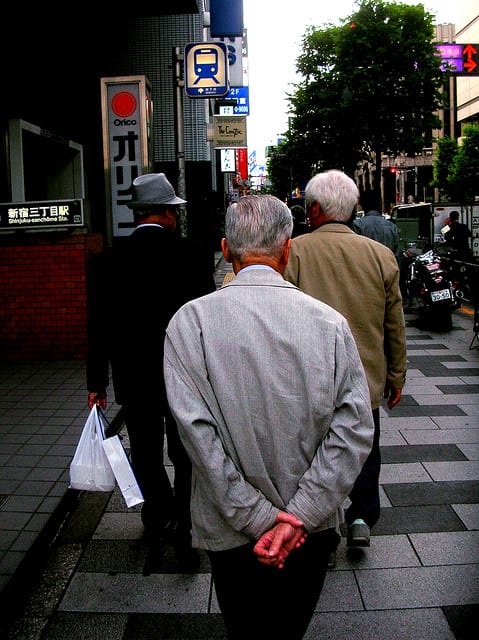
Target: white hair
column 258, row 224
column 335, row 192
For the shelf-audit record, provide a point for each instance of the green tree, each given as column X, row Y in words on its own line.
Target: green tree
column 279, row 171
column 446, row 152
column 369, row 86
column 456, row 167
column 288, row 167
column 464, row 174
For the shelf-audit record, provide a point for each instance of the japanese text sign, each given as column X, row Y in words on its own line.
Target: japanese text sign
column 41, row 215
column 126, row 110
column 459, row 59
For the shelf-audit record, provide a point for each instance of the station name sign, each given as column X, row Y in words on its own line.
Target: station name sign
column 41, row 215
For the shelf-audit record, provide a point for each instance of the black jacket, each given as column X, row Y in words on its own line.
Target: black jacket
column 135, row 288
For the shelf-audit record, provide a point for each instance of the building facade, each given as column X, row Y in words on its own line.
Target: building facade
column 52, row 154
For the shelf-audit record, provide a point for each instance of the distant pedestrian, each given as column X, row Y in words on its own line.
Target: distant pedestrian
column 375, row 226
column 457, row 237
column 359, row 278
column 273, row 407
column 300, row 224
column 134, row 290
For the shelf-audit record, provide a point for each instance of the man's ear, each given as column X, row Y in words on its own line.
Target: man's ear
column 225, row 249
column 313, row 210
column 171, row 215
column 283, row 261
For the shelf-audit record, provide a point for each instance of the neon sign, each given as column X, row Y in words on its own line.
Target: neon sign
column 459, row 59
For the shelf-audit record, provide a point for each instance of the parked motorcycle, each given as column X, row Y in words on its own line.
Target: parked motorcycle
column 463, row 275
column 427, row 285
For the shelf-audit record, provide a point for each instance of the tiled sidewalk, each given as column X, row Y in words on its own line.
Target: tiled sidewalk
column 419, row 579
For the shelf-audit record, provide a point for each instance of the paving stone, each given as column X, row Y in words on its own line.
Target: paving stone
column 94, row 626
column 427, row 410
column 441, row 548
column 420, row 624
column 468, row 470
column 410, row 494
column 420, row 453
column 416, row 361
column 459, row 422
column 433, row 587
column 460, row 388
column 169, row 625
column 471, row 451
column 412, row 347
column 469, row 514
column 340, row 593
column 129, row 593
column 104, row 556
column 417, row 519
column 385, row 551
column 403, row 472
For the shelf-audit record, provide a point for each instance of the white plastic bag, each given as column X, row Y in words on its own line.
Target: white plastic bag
column 124, row 475
column 90, row 469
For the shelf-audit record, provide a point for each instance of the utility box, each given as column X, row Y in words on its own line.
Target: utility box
column 415, row 222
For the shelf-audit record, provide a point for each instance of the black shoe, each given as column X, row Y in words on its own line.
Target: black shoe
column 160, row 531
column 332, row 560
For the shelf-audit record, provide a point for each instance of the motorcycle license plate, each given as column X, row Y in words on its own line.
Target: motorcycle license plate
column 440, row 295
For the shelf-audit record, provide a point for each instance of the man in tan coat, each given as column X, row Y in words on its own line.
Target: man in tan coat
column 358, row 277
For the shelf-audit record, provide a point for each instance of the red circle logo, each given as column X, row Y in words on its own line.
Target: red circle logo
column 123, row 104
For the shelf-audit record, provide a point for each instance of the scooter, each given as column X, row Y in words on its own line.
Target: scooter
column 427, row 282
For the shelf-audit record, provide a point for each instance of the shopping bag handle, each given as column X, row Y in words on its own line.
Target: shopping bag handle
column 114, row 426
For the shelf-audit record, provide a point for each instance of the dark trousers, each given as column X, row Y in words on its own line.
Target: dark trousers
column 259, row 602
column 147, row 426
column 365, row 493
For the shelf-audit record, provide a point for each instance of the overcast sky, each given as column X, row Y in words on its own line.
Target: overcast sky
column 275, row 29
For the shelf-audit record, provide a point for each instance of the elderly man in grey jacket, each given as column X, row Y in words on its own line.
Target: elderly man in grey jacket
column 273, row 408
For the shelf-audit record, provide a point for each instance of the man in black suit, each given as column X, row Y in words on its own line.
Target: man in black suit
column 135, row 289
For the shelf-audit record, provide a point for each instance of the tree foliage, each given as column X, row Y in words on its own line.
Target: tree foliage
column 446, row 152
column 369, row 86
column 456, row 168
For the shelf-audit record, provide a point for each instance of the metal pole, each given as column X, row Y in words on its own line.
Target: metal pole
column 180, row 137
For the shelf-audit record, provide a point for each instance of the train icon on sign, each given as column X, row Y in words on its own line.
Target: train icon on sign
column 205, row 62
column 206, row 69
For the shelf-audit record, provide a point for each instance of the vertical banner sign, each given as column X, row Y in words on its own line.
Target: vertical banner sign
column 227, row 160
column 475, row 231
column 127, row 145
column 241, row 161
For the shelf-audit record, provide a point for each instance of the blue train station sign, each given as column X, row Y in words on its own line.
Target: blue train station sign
column 206, row 70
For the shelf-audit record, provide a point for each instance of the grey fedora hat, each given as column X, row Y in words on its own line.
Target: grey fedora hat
column 153, row 189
